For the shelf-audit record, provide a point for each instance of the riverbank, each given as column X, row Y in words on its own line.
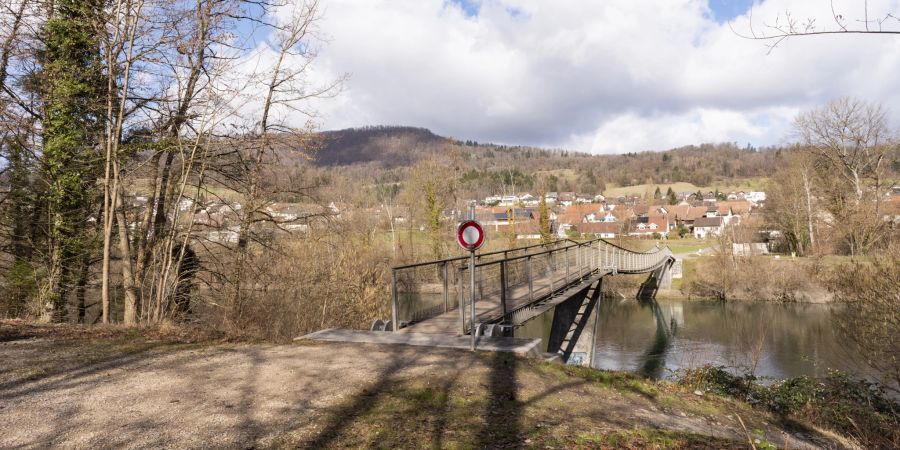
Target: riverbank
column 769, row 278
column 119, row 388
column 706, row 274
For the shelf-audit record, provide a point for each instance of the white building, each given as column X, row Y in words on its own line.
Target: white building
column 755, row 197
column 509, row 200
column 708, row 226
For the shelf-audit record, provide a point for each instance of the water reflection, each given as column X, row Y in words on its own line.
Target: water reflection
column 771, row 340
column 654, row 359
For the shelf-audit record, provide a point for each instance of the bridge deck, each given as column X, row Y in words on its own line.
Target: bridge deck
column 529, row 293
column 488, row 308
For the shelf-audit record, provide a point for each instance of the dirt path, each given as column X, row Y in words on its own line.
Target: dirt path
column 148, row 395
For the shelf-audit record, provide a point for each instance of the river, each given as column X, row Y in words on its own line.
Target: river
column 654, row 340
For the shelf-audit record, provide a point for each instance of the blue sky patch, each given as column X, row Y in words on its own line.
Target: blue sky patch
column 725, row 10
column 469, row 7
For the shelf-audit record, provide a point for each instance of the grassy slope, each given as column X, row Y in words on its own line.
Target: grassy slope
column 746, row 184
column 535, row 404
column 490, row 401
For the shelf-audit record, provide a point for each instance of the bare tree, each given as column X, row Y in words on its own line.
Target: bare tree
column 119, row 53
column 852, row 137
column 792, row 186
column 789, row 25
column 851, row 140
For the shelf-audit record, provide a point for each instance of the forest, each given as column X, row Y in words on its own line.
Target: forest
column 389, row 147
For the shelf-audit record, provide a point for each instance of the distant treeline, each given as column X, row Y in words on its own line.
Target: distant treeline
column 389, row 147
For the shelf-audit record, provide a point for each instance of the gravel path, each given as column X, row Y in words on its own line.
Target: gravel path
column 250, row 396
column 233, row 396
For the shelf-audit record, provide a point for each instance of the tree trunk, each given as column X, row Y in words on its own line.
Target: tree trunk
column 81, row 289
column 131, row 304
column 110, row 194
column 809, row 211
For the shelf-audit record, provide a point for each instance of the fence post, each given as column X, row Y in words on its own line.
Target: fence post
column 580, row 262
column 395, row 325
column 530, row 279
column 446, row 287
column 566, row 257
column 591, row 253
column 552, row 270
column 584, row 259
column 472, row 294
column 462, row 302
column 503, row 288
column 577, row 261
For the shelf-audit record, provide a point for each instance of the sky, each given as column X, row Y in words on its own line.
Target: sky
column 601, row 76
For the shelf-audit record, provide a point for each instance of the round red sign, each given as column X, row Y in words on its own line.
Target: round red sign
column 470, row 235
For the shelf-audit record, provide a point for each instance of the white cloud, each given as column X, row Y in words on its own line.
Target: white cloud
column 601, row 76
column 630, row 132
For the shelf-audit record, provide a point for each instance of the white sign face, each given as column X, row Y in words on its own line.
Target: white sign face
column 470, row 235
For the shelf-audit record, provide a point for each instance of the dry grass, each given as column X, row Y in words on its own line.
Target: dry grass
column 519, row 403
column 747, row 184
column 70, row 346
column 726, row 277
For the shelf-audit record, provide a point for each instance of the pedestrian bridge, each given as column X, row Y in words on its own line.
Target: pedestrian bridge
column 513, row 286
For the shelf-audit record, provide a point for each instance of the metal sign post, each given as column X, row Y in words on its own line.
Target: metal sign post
column 470, row 236
column 472, row 291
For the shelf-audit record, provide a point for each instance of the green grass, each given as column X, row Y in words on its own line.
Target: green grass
column 745, row 184
column 686, row 248
column 686, row 245
column 644, row 438
column 688, row 272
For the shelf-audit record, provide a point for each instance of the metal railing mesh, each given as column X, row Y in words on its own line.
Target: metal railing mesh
column 508, row 280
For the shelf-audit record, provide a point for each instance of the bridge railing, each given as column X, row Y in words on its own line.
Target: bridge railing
column 424, row 290
column 506, row 280
column 507, row 284
column 621, row 260
column 503, row 285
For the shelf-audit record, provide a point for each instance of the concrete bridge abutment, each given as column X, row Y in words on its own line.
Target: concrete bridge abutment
column 573, row 328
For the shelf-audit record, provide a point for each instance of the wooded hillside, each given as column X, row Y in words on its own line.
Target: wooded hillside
column 386, row 147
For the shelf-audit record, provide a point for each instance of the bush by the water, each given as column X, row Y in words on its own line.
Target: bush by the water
column 850, row 406
column 869, row 294
column 725, row 276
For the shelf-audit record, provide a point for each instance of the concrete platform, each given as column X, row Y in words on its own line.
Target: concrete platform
column 525, row 347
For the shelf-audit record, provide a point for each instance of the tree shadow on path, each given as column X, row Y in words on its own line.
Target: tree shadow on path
column 361, row 404
column 502, row 427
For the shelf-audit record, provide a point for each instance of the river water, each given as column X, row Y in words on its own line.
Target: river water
column 656, row 339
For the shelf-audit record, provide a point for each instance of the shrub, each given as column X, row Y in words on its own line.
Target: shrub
column 853, row 407
column 869, row 293
column 727, row 277
column 719, row 380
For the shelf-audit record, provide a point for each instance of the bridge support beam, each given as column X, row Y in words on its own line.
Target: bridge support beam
column 571, row 333
column 660, row 278
column 665, row 276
